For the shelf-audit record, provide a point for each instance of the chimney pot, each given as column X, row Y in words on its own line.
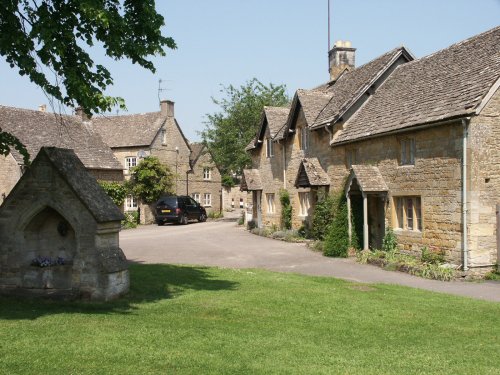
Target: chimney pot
column 167, row 108
column 42, row 107
column 341, row 57
column 80, row 113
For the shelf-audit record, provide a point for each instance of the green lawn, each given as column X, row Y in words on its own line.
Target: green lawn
column 196, row 320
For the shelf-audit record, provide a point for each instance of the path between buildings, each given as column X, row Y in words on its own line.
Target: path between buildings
column 224, row 244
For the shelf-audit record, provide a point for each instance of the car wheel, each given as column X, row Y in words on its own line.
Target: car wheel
column 160, row 223
column 184, row 219
column 202, row 218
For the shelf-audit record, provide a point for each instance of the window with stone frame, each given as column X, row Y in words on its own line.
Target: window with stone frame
column 130, row 203
column 303, row 134
column 408, row 213
column 196, row 197
column 207, row 173
column 407, row 151
column 207, row 199
column 304, row 201
column 269, row 148
column 271, row 208
column 130, row 162
column 351, row 157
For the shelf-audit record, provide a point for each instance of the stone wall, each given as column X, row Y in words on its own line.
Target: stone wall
column 232, row 197
column 197, row 183
column 44, row 217
column 114, row 175
column 174, row 153
column 10, row 173
column 484, row 183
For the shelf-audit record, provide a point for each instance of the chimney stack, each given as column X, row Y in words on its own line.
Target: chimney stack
column 341, row 57
column 80, row 113
column 167, row 108
column 42, row 107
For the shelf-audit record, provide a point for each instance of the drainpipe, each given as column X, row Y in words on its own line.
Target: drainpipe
column 283, row 145
column 465, row 250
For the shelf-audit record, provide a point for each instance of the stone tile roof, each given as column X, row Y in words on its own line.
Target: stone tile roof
column 36, row 129
column 353, row 83
column 251, row 180
column 275, row 118
column 311, row 173
column 311, row 101
column 369, row 178
column 129, row 130
column 85, row 186
column 449, row 83
column 196, row 150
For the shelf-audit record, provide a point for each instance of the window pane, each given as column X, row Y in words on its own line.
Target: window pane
column 418, row 212
column 409, row 213
column 399, row 213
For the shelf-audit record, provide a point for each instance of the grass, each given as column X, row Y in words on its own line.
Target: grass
column 197, row 320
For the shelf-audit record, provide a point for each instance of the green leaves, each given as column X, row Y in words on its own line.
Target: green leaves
column 7, row 141
column 229, row 131
column 54, row 36
column 117, row 191
column 150, row 180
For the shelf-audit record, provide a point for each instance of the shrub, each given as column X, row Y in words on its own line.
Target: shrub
column 286, row 209
column 390, row 241
column 432, row 257
column 117, row 191
column 131, row 220
column 215, row 215
column 251, row 225
column 324, row 213
column 336, row 242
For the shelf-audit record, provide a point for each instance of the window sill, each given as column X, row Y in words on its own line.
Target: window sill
column 406, row 165
column 409, row 233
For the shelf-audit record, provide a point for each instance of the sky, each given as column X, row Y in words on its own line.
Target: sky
column 224, row 42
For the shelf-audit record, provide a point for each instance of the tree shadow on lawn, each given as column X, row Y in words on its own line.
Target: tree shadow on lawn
column 148, row 283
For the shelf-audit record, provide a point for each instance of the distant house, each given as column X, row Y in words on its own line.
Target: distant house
column 412, row 143
column 204, row 180
column 36, row 129
column 133, row 137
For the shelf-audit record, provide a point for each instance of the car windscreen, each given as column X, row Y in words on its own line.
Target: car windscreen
column 168, row 201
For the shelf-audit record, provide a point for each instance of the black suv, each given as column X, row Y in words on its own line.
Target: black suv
column 179, row 209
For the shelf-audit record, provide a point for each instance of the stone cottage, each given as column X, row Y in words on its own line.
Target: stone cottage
column 413, row 143
column 39, row 128
column 59, row 233
column 204, row 179
column 132, row 137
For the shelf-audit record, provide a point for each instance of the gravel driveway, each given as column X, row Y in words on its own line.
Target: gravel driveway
column 224, row 244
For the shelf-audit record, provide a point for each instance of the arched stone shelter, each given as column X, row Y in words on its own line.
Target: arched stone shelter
column 59, row 233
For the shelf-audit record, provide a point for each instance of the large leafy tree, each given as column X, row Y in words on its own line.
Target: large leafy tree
column 48, row 40
column 229, row 131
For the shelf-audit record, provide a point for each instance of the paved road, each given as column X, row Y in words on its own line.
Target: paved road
column 224, row 244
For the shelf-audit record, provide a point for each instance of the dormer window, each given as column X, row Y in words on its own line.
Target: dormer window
column 269, row 148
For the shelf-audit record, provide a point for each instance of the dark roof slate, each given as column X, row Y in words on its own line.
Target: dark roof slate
column 310, row 170
column 129, row 130
column 36, row 129
column 350, row 85
column 251, row 180
column 447, row 84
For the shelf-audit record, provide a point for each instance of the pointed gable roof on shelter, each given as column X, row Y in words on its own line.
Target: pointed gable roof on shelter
column 311, row 173
column 36, row 129
column 450, row 83
column 368, row 177
column 251, row 180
